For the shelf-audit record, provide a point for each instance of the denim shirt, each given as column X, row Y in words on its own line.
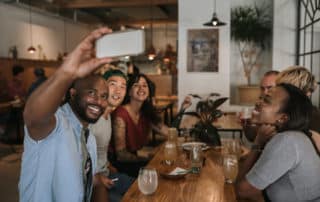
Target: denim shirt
column 51, row 168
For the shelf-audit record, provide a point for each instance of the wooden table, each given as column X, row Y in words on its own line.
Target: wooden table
column 207, row 186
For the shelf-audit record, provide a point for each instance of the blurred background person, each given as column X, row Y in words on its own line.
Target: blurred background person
column 132, row 69
column 40, row 75
column 17, row 94
column 268, row 81
column 16, row 88
column 4, row 105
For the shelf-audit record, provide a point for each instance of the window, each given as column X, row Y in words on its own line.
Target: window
column 308, row 46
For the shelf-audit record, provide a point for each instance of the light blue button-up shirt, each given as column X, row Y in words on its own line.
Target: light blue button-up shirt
column 51, row 168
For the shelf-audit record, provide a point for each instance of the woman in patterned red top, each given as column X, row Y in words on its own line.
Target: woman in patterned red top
column 133, row 123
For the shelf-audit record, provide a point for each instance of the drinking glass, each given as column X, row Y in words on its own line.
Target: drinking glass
column 234, row 147
column 147, row 180
column 225, row 146
column 230, row 167
column 196, row 159
column 245, row 116
column 185, row 132
column 170, row 152
column 231, row 146
column 173, row 134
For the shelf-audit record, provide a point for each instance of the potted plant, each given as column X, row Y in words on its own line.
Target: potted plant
column 251, row 29
column 206, row 111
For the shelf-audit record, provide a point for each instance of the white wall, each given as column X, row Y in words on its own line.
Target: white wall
column 284, row 36
column 192, row 14
column 48, row 31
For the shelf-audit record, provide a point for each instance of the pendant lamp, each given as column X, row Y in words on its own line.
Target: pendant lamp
column 65, row 38
column 31, row 49
column 151, row 50
column 214, row 22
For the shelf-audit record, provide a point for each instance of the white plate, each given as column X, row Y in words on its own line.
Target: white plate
column 187, row 146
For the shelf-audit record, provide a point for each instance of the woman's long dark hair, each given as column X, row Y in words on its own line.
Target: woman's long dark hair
column 298, row 108
column 147, row 109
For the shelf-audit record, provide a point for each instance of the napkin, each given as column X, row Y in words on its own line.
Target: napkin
column 178, row 171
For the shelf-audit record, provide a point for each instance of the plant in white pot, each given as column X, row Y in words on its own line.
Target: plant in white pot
column 251, row 29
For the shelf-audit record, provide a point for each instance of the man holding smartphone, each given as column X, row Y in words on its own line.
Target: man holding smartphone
column 58, row 163
column 116, row 183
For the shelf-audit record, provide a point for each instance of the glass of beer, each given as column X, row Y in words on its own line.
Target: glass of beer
column 234, row 147
column 230, row 167
column 170, row 152
column 245, row 116
column 196, row 158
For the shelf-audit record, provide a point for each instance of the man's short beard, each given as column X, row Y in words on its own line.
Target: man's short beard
column 80, row 111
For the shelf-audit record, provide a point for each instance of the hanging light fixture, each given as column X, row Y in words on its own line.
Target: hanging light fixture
column 151, row 50
column 168, row 51
column 65, row 38
column 31, row 49
column 214, row 22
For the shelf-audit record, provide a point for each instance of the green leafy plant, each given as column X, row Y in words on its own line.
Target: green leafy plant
column 206, row 111
column 251, row 28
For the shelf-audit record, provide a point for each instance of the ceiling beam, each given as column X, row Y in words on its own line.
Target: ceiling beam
column 114, row 4
column 142, row 22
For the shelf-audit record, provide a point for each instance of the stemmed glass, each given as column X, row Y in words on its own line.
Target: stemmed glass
column 147, row 180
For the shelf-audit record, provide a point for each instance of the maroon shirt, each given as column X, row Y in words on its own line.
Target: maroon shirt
column 16, row 88
column 136, row 134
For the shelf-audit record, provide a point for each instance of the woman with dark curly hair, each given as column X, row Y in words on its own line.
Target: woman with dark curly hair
column 133, row 123
column 284, row 160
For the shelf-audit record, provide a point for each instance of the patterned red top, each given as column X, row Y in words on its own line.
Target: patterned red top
column 136, row 134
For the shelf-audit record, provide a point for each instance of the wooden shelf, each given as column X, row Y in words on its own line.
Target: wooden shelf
column 29, row 62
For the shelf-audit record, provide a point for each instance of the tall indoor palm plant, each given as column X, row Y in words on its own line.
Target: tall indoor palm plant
column 251, row 29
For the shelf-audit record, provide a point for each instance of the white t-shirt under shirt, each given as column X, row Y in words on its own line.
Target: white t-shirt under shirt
column 102, row 131
column 288, row 168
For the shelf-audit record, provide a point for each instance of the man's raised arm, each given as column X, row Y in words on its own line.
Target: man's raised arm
column 45, row 100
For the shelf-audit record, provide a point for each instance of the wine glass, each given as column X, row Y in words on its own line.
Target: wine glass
column 230, row 167
column 147, row 180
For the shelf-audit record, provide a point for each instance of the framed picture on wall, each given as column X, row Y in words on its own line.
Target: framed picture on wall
column 202, row 50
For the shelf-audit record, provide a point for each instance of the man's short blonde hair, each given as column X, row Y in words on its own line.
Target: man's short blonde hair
column 298, row 76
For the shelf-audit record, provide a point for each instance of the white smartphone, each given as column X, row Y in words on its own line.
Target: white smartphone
column 122, row 43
